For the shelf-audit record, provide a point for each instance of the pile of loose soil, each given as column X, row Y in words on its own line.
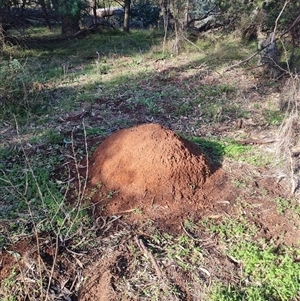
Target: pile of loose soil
column 147, row 169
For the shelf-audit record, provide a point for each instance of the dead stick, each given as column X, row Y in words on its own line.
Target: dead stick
column 149, row 254
column 187, row 233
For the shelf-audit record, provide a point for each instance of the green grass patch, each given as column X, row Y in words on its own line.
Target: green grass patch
column 212, row 149
column 47, row 75
column 246, row 153
column 231, row 229
column 185, row 252
column 214, row 102
column 286, row 205
column 215, row 150
column 268, row 272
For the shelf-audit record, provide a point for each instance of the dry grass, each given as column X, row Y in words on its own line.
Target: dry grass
column 288, row 145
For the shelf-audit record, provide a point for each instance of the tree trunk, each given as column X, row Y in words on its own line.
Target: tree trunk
column 187, row 13
column 95, row 11
column 2, row 37
column 45, row 13
column 127, row 16
column 69, row 26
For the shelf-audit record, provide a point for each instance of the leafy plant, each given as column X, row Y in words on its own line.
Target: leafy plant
column 285, row 204
column 246, row 153
column 271, row 272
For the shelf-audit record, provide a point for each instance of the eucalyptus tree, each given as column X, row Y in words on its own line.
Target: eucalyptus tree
column 125, row 4
column 70, row 12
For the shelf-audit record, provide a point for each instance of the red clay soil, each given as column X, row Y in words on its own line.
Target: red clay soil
column 147, row 169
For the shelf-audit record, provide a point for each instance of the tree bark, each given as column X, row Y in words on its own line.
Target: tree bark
column 69, row 26
column 126, row 25
column 95, row 11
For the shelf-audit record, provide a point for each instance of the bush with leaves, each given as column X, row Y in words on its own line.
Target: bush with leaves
column 145, row 12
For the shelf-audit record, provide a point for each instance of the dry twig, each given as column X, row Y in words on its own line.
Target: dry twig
column 143, row 248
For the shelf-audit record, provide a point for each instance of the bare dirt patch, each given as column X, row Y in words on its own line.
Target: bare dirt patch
column 99, row 285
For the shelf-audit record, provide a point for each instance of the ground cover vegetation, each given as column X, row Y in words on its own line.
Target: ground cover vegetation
column 61, row 96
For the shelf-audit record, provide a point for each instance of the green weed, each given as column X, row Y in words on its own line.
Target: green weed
column 183, row 109
column 285, row 204
column 32, row 198
column 10, row 287
column 185, row 252
column 239, row 183
column 53, row 137
column 268, row 272
column 214, row 91
column 234, row 149
column 230, row 229
column 271, row 273
column 96, row 131
column 234, row 111
column 246, row 153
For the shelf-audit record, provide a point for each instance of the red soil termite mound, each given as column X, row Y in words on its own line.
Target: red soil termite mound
column 150, row 168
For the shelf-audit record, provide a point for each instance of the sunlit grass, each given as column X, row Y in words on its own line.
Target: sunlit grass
column 268, row 272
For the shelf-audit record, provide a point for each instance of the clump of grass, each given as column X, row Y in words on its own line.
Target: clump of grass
column 246, row 153
column 213, row 102
column 287, row 206
column 268, row 274
column 274, row 117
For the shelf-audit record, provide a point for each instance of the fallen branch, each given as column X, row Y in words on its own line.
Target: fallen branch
column 143, row 248
column 255, row 141
column 187, row 232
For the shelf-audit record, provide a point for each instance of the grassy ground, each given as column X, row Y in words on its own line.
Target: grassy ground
column 61, row 98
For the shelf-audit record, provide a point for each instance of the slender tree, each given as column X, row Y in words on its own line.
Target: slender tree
column 126, row 25
column 45, row 13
